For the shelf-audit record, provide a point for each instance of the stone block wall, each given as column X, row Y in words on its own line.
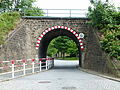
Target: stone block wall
column 21, row 44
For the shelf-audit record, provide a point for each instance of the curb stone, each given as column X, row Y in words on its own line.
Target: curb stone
column 99, row 74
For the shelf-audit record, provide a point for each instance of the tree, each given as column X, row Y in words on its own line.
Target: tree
column 32, row 12
column 60, row 43
column 107, row 19
column 23, row 3
column 6, row 4
column 51, row 49
column 63, row 45
column 16, row 3
column 23, row 6
column 101, row 14
column 72, row 48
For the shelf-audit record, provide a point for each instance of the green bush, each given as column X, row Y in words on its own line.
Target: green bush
column 63, row 45
column 32, row 12
column 111, row 41
column 8, row 21
column 101, row 14
column 107, row 20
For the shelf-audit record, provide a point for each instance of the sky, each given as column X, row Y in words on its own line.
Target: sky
column 67, row 4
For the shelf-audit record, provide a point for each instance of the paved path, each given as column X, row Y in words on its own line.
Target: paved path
column 64, row 76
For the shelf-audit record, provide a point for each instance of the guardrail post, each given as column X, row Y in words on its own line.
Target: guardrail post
column 33, row 65
column 40, row 64
column 46, row 65
column 24, row 70
column 13, row 69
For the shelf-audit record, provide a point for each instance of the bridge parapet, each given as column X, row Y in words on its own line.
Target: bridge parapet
column 49, row 12
column 65, row 12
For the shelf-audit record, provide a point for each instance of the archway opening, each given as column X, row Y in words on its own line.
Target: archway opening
column 48, row 35
column 63, row 48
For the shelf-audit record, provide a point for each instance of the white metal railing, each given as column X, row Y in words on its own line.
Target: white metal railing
column 35, row 65
column 48, row 12
column 65, row 12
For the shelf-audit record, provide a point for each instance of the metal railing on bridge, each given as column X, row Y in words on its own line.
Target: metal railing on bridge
column 65, row 12
column 16, row 68
column 49, row 12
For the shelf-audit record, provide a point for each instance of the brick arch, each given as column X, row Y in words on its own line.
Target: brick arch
column 60, row 27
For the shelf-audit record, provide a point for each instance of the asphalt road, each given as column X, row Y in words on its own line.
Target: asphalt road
column 64, row 76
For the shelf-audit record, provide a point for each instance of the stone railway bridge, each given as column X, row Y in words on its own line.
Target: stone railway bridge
column 21, row 43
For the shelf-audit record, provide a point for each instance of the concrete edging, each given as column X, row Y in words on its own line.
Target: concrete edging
column 99, row 74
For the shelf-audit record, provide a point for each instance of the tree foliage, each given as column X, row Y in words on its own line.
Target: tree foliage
column 101, row 14
column 23, row 6
column 10, row 4
column 107, row 19
column 62, row 45
column 72, row 48
column 51, row 49
column 111, row 40
column 32, row 12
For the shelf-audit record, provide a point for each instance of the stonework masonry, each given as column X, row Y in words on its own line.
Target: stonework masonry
column 21, row 44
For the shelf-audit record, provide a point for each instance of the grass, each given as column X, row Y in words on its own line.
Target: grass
column 69, row 58
column 8, row 21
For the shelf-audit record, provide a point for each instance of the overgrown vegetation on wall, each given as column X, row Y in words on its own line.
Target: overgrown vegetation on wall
column 107, row 20
column 8, row 21
column 10, row 12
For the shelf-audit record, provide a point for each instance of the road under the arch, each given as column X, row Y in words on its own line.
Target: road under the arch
column 64, row 76
column 53, row 34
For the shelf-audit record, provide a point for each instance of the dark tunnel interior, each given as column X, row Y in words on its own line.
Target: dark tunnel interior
column 48, row 37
